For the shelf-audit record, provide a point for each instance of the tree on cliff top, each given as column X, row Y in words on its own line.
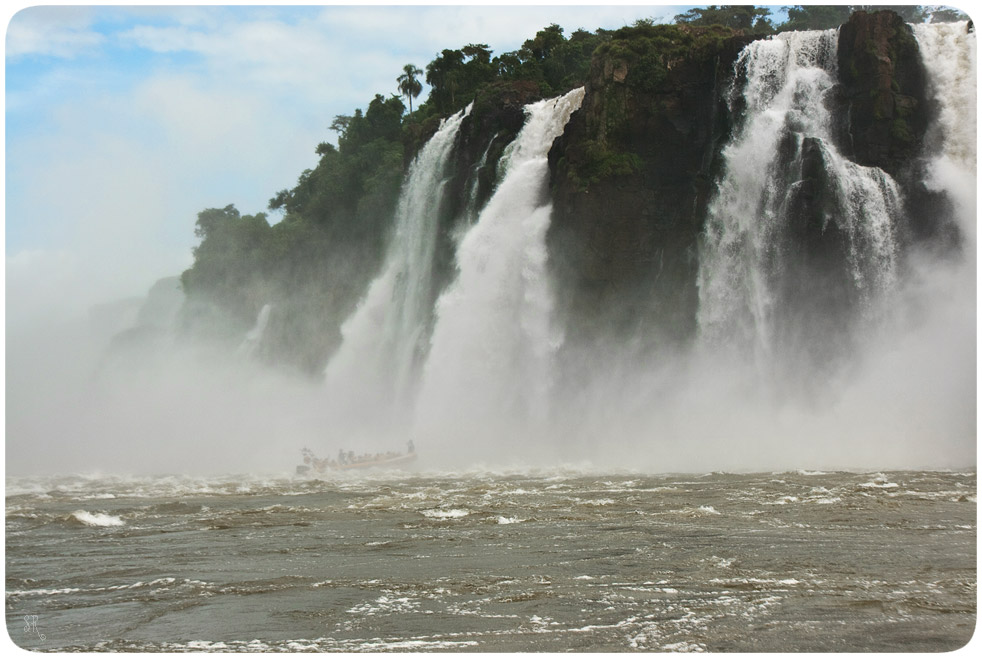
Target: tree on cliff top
column 815, row 17
column 409, row 85
column 739, row 17
column 455, row 76
column 234, row 256
column 823, row 17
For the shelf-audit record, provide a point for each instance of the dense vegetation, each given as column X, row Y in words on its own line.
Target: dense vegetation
column 805, row 17
column 316, row 261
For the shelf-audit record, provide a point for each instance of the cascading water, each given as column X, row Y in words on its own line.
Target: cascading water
column 493, row 341
column 799, row 260
column 797, row 234
column 473, row 208
column 949, row 54
column 385, row 338
column 252, row 340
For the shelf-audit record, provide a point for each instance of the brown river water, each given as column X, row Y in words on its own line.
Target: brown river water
column 560, row 560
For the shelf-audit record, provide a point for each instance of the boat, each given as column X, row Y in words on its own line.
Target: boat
column 348, row 461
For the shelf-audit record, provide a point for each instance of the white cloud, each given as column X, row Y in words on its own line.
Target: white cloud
column 57, row 31
column 165, row 39
column 117, row 179
column 431, row 29
column 350, row 53
column 191, row 114
column 106, row 213
column 230, row 112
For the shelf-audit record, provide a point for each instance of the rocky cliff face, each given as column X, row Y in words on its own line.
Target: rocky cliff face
column 635, row 169
column 885, row 115
column 631, row 179
column 881, row 92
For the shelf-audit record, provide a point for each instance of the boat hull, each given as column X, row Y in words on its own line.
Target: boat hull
column 322, row 467
column 379, row 463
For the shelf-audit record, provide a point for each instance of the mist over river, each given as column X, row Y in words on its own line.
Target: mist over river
column 560, row 559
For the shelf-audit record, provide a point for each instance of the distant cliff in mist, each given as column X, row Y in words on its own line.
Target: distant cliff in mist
column 632, row 179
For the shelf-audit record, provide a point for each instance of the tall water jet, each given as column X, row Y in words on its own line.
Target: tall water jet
column 384, row 340
column 493, row 343
column 799, row 241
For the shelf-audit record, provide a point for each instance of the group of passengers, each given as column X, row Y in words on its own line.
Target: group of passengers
column 349, row 457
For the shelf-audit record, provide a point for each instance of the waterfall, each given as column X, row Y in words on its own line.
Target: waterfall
column 385, row 338
column 797, row 236
column 948, row 51
column 493, row 341
column 472, row 210
column 252, row 340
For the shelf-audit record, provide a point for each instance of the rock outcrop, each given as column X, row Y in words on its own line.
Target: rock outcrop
column 635, row 170
column 882, row 86
column 885, row 114
column 632, row 176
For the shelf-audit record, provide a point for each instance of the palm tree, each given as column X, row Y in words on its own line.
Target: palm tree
column 409, row 85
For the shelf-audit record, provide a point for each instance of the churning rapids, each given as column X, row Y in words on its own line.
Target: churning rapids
column 552, row 544
column 544, row 561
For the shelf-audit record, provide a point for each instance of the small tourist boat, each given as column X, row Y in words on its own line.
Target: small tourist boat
column 348, row 461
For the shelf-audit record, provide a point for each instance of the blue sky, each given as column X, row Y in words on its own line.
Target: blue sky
column 123, row 122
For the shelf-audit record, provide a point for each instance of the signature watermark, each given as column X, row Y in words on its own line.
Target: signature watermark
column 31, row 624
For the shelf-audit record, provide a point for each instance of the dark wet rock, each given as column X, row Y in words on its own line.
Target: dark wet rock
column 883, row 92
column 885, row 112
column 632, row 176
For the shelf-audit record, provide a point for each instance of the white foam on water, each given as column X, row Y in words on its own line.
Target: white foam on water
column 504, row 520
column 386, row 605
column 153, row 583
column 878, row 481
column 42, row 592
column 597, row 502
column 721, row 562
column 444, row 513
column 417, row 645
column 97, row 519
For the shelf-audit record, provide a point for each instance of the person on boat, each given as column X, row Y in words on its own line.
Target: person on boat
column 342, row 458
column 412, row 448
